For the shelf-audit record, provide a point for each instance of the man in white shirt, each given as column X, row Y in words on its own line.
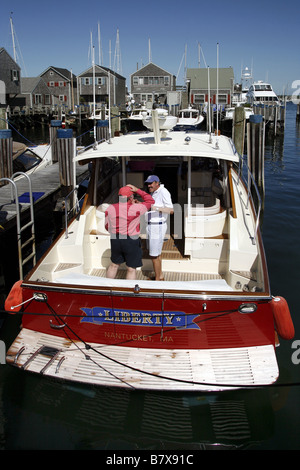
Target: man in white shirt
column 157, row 221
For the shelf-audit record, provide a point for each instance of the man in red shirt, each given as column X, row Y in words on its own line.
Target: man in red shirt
column 122, row 220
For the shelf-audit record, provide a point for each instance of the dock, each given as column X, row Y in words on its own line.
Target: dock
column 45, row 186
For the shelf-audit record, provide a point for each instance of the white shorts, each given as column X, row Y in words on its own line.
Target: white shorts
column 155, row 237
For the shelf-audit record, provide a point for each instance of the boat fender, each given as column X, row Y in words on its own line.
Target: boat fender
column 282, row 317
column 14, row 300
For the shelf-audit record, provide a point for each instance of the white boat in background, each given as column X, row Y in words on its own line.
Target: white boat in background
column 262, row 93
column 189, row 118
column 98, row 115
column 138, row 114
column 229, row 113
column 210, row 325
column 164, row 120
column 29, row 159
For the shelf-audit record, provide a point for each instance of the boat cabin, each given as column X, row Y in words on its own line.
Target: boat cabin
column 205, row 241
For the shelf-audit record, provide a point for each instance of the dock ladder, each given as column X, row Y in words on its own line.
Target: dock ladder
column 20, row 228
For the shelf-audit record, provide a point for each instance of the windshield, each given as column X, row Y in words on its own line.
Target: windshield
column 26, row 161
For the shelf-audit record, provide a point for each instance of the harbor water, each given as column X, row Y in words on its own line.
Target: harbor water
column 37, row 413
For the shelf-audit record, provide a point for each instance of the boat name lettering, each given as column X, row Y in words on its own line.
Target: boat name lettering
column 100, row 315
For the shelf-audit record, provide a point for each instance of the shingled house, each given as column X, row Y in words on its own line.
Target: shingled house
column 199, row 86
column 35, row 91
column 10, row 76
column 62, row 85
column 101, row 89
column 151, row 83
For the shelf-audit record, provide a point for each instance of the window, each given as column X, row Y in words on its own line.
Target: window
column 222, row 99
column 62, row 98
column 37, row 99
column 61, row 83
column 151, row 80
column 86, row 81
column 15, row 76
column 51, row 84
column 199, row 98
column 100, row 80
column 47, row 99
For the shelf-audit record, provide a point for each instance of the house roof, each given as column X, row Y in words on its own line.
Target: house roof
column 4, row 51
column 199, row 77
column 28, row 84
column 99, row 68
column 65, row 73
column 149, row 68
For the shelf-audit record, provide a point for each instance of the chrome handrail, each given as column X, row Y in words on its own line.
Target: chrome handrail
column 248, row 186
column 66, row 208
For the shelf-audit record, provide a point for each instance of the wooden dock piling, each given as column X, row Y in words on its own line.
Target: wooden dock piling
column 6, row 154
column 238, row 129
column 102, row 130
column 66, row 147
column 256, row 148
column 54, row 126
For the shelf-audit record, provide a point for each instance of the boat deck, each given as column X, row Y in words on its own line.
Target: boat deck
column 172, row 250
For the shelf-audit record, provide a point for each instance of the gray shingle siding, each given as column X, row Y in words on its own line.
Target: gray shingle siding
column 117, row 85
column 151, row 80
column 10, row 73
column 59, row 82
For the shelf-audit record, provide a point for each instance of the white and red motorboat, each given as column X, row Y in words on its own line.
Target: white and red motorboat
column 210, row 325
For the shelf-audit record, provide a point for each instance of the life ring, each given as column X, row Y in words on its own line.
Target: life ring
column 282, row 317
column 13, row 302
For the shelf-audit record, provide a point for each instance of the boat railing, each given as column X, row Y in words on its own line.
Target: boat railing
column 82, row 150
column 73, row 210
column 250, row 183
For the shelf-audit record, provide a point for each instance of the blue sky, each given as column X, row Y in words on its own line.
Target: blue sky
column 259, row 34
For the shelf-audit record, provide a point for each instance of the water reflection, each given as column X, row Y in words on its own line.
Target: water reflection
column 70, row 416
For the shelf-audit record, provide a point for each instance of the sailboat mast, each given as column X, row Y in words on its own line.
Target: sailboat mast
column 13, row 38
column 217, row 98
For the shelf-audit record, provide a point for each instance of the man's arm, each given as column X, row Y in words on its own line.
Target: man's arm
column 147, row 198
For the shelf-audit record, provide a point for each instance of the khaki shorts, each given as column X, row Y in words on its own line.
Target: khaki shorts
column 155, row 237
